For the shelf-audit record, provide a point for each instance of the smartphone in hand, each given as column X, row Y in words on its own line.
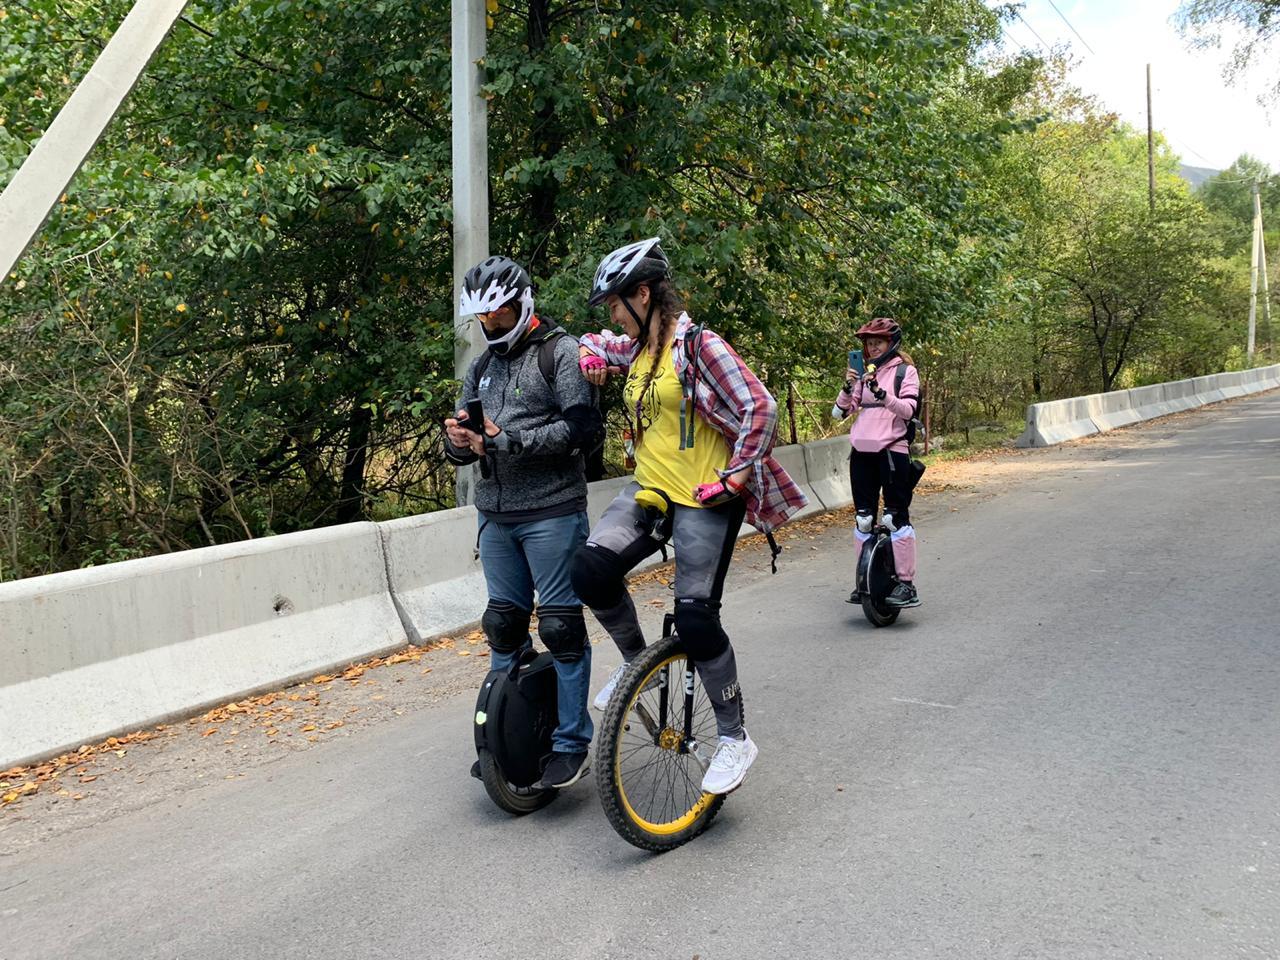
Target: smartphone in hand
column 855, row 362
column 475, row 417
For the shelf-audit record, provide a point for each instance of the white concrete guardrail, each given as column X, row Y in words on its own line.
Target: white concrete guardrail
column 1060, row 420
column 89, row 654
column 94, row 653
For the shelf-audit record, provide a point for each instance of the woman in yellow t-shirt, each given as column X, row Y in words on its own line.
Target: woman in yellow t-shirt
column 702, row 428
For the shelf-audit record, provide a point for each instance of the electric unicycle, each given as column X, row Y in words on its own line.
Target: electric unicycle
column 877, row 576
column 515, row 717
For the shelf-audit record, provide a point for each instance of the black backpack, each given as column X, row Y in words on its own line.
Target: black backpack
column 546, row 348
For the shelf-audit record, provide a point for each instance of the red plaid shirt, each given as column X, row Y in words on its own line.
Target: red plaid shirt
column 734, row 401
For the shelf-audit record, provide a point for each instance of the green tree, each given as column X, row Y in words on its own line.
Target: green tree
column 1205, row 21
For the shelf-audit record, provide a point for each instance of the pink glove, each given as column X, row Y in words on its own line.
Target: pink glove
column 591, row 362
column 714, row 494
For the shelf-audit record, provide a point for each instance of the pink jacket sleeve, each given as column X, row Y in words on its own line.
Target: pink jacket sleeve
column 907, row 403
column 847, row 402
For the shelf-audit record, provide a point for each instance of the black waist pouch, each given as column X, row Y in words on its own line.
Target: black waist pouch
column 916, row 471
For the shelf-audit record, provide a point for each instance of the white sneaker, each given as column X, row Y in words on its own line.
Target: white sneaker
column 730, row 764
column 606, row 692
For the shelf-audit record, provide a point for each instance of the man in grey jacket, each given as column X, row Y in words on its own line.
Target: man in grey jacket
column 539, row 420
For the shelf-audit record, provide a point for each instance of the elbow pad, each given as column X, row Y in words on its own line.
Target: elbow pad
column 586, row 427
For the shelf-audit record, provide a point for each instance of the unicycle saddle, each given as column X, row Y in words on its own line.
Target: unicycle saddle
column 514, row 719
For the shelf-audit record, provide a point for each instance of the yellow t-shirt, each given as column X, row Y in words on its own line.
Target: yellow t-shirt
column 662, row 459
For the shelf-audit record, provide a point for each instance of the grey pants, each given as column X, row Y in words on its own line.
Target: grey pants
column 704, row 539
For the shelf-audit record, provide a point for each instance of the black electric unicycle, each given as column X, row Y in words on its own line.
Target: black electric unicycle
column 877, row 576
column 515, row 717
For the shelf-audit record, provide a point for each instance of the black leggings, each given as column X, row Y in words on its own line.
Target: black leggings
column 869, row 473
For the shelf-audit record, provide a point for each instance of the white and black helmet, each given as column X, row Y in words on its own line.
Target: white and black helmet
column 492, row 284
column 628, row 266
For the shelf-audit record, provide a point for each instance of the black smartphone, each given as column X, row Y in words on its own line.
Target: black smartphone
column 855, row 362
column 475, row 417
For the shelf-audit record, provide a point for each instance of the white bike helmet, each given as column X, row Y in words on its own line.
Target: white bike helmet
column 492, row 284
column 628, row 266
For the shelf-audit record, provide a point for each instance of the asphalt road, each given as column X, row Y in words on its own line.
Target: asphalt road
column 1071, row 750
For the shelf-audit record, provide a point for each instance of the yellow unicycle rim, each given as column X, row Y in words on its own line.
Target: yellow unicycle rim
column 685, row 820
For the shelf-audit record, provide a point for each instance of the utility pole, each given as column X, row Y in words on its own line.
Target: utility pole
column 470, row 180
column 1262, row 264
column 1151, row 150
column 1253, row 270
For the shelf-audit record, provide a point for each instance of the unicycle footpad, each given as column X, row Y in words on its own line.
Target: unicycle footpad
column 515, row 717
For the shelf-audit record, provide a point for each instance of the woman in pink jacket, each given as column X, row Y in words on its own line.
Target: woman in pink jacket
column 886, row 399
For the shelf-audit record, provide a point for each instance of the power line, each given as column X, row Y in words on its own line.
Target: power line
column 1073, row 29
column 1047, row 48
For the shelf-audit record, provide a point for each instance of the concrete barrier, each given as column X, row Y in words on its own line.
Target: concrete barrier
column 1208, row 390
column 827, row 465
column 1109, row 411
column 1057, row 421
column 1150, row 402
column 91, row 653
column 1180, row 395
column 433, row 571
column 1232, row 385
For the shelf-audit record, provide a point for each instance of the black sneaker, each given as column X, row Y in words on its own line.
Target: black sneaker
column 475, row 770
column 565, row 769
column 855, row 598
column 903, row 595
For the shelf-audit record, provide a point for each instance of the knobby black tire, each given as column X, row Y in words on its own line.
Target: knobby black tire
column 514, row 800
column 610, row 741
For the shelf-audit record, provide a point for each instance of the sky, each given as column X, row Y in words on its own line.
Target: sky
column 1206, row 121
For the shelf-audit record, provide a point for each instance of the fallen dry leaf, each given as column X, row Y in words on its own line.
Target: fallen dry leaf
column 307, row 728
column 77, row 796
column 272, row 732
column 209, row 732
column 10, row 797
column 89, row 778
column 323, row 678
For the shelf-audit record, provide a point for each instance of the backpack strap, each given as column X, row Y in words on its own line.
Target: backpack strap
column 547, row 357
column 693, row 354
column 482, row 364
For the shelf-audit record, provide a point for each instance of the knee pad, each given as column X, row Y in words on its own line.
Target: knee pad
column 698, row 623
column 505, row 626
column 597, row 577
column 563, row 631
column 897, row 519
column 865, row 522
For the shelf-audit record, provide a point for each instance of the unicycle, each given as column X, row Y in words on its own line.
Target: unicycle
column 657, row 737
column 515, row 717
column 877, row 576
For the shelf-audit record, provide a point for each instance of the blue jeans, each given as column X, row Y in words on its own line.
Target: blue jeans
column 521, row 558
